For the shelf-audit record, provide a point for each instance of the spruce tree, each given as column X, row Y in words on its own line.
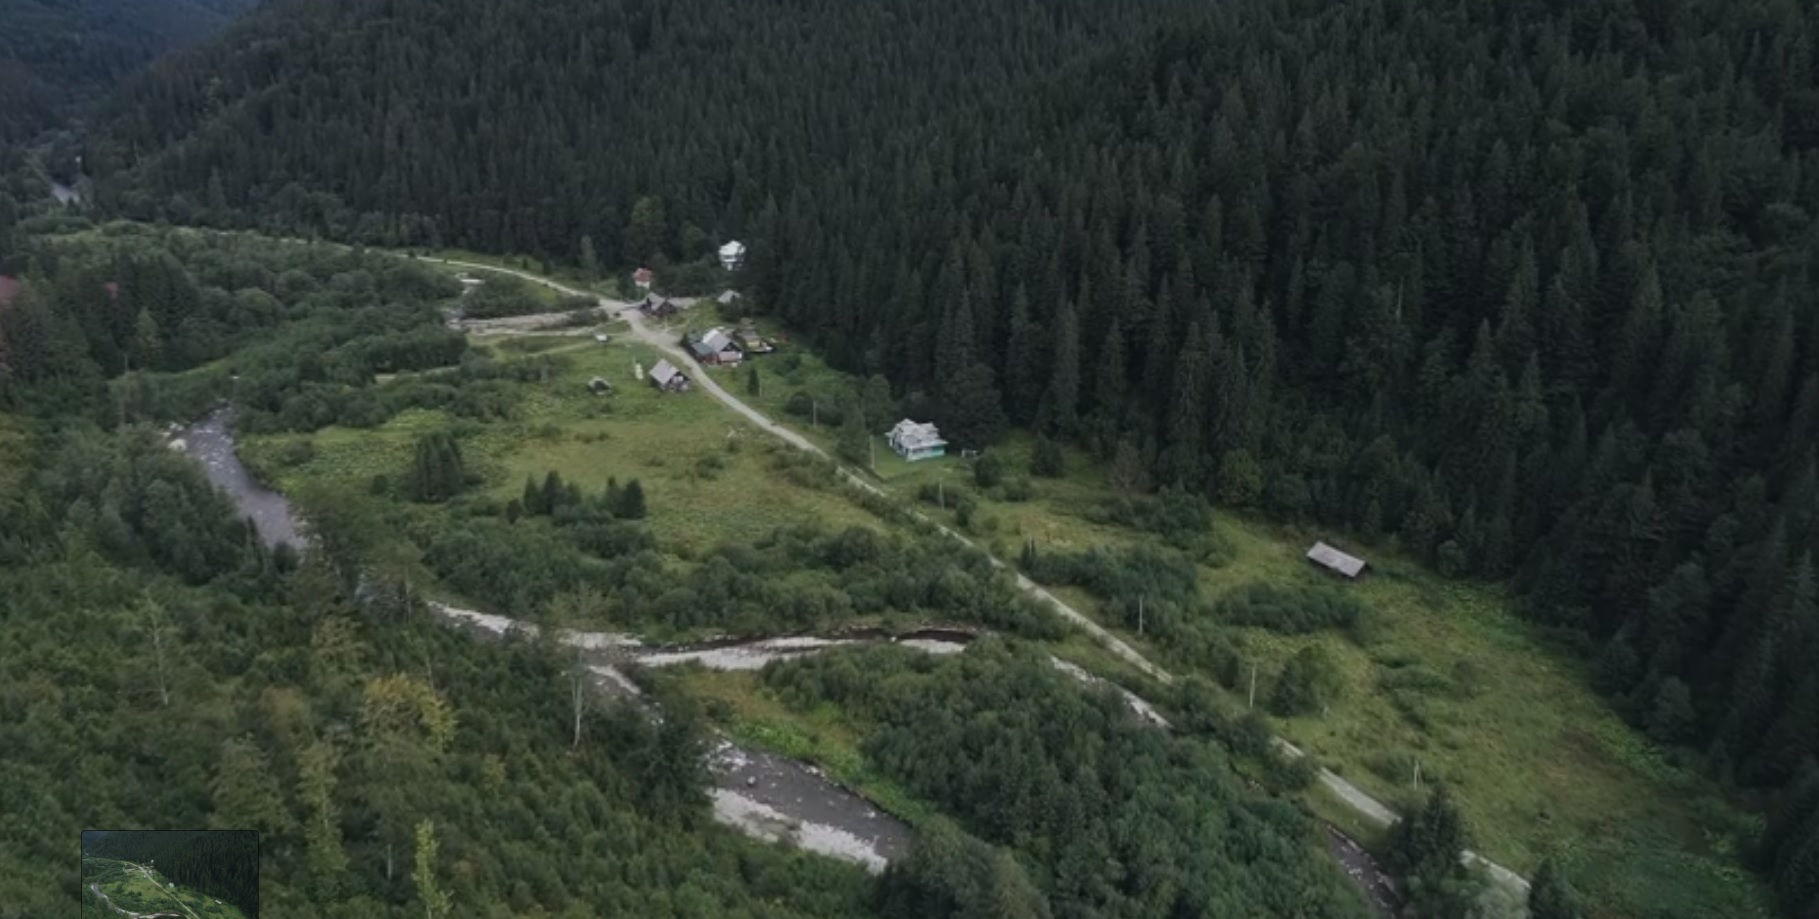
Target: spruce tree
column 1548, row 895
column 1061, row 401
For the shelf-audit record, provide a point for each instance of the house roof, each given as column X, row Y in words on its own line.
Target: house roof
column 701, row 348
column 728, row 296
column 665, row 371
column 913, row 434
column 1329, row 557
column 717, row 339
column 9, row 289
column 733, row 247
column 643, row 274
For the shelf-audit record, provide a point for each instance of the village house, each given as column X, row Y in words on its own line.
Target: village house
column 732, row 255
column 1331, row 559
column 657, row 307
column 643, row 278
column 9, row 290
column 914, row 441
column 667, row 378
column 714, row 347
column 749, row 341
column 728, row 297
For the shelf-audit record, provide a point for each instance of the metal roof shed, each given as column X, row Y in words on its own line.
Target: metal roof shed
column 1336, row 561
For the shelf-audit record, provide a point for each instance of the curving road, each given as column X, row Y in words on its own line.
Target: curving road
column 1369, row 807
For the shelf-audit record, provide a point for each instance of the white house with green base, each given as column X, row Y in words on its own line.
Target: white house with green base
column 914, row 441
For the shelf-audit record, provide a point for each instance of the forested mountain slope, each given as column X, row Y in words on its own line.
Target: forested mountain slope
column 1524, row 284
column 1527, row 286
column 57, row 55
column 523, row 127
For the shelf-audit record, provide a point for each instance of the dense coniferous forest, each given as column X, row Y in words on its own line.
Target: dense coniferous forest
column 1524, row 287
column 58, row 56
column 647, row 127
column 221, row 863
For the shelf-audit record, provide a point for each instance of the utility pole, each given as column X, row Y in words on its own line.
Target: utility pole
column 814, row 412
column 1417, row 775
column 1139, row 614
column 1253, row 702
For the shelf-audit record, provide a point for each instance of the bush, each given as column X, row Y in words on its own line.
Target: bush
column 1048, row 461
column 1293, row 610
column 988, row 470
column 1018, row 489
column 1309, row 682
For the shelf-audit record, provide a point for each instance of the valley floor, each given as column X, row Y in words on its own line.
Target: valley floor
column 1450, row 678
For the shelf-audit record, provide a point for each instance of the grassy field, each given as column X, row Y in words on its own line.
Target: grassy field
column 708, row 475
column 1450, row 677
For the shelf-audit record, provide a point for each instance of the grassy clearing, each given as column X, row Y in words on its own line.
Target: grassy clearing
column 745, row 708
column 1451, row 677
column 708, row 475
column 1503, row 713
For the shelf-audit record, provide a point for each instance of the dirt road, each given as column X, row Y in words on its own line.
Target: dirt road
column 1370, row 807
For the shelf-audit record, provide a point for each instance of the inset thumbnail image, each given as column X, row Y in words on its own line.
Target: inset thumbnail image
column 170, row 874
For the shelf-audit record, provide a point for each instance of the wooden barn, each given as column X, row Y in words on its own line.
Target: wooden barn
column 667, row 378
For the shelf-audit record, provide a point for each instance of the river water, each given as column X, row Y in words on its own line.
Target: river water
column 210, row 442
column 764, row 795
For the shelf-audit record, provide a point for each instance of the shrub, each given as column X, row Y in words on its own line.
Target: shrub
column 988, row 470
column 1048, row 461
column 1309, row 682
column 1293, row 610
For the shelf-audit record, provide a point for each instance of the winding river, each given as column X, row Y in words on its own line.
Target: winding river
column 764, row 795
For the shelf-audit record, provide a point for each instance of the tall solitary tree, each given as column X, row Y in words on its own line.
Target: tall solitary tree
column 590, row 263
column 434, row 898
column 1548, row 895
column 644, row 230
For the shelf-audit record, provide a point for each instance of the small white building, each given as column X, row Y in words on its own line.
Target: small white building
column 914, row 441
column 732, row 255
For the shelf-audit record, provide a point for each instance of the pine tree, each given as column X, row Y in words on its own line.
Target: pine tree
column 590, row 263
column 644, row 231
column 148, row 344
column 631, row 502
column 973, row 415
column 1109, row 385
column 1060, row 403
column 1022, row 361
column 9, row 220
column 1548, row 895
